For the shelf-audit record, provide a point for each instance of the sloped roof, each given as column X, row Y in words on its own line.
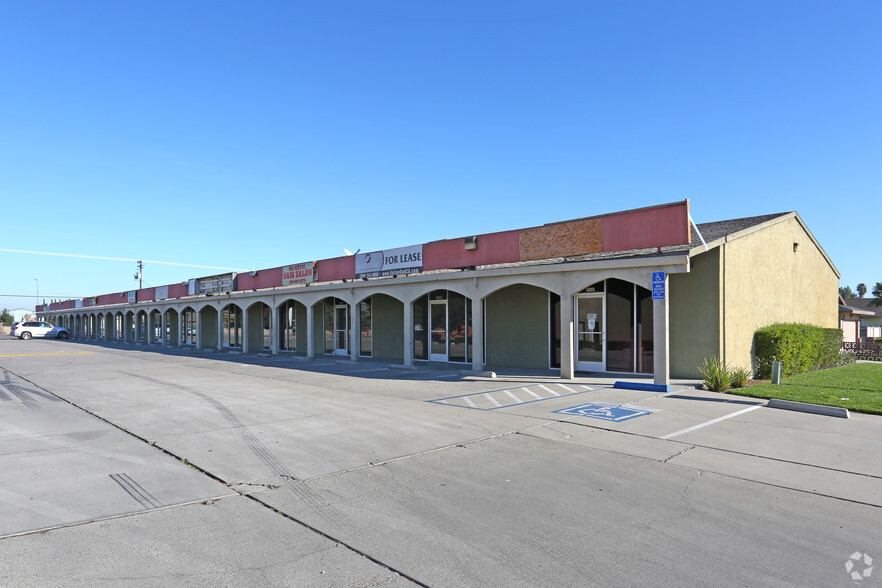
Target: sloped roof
column 719, row 229
column 863, row 304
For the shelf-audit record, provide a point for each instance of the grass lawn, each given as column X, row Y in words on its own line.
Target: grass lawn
column 856, row 387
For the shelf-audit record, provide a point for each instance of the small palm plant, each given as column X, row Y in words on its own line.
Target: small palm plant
column 716, row 374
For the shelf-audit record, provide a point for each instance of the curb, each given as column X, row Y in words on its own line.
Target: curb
column 833, row 411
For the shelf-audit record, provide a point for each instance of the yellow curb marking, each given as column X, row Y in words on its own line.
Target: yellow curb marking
column 56, row 353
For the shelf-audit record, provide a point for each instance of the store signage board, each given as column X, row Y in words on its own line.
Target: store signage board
column 299, row 273
column 161, row 293
column 131, row 296
column 391, row 262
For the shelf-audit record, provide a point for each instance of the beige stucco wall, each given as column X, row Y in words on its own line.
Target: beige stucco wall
column 695, row 318
column 767, row 282
column 517, row 327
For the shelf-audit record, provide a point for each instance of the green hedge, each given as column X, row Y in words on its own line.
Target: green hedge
column 799, row 347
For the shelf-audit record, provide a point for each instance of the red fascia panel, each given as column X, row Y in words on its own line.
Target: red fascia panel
column 503, row 247
column 178, row 290
column 337, row 268
column 115, row 298
column 145, row 294
column 266, row 278
column 656, row 226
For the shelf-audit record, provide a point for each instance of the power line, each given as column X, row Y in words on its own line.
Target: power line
column 42, row 296
column 231, row 269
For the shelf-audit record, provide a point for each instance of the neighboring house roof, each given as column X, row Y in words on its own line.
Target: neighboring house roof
column 863, row 306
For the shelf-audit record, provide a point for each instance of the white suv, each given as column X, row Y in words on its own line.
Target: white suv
column 29, row 329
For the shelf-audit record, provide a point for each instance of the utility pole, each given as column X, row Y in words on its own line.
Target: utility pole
column 140, row 275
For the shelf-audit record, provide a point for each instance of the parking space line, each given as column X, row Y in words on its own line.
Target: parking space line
column 493, row 400
column 711, row 422
column 547, row 389
column 513, row 397
column 531, row 393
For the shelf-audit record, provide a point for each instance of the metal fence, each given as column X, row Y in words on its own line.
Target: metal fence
column 870, row 350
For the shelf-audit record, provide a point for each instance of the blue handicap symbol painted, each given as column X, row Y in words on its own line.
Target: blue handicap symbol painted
column 607, row 411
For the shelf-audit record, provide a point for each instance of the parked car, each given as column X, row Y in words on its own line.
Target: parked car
column 29, row 329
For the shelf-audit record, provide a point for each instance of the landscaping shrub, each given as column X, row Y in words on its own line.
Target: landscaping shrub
column 799, row 347
column 716, row 374
column 739, row 377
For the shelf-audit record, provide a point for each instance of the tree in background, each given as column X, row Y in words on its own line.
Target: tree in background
column 6, row 317
column 877, row 295
column 862, row 290
column 845, row 292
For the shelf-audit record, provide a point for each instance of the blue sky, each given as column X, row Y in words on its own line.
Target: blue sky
column 253, row 135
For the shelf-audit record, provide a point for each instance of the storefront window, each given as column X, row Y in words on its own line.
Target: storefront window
column 288, row 326
column 189, row 325
column 232, row 326
column 267, row 327
column 365, row 340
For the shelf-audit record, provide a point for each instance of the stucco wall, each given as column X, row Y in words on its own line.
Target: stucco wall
column 255, row 328
column 517, row 327
column 768, row 282
column 300, row 341
column 694, row 306
column 207, row 327
column 387, row 316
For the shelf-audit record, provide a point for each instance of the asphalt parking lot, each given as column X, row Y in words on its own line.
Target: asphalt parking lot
column 125, row 465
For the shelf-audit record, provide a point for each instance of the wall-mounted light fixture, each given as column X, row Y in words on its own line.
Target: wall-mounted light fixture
column 795, row 247
column 253, row 274
column 471, row 243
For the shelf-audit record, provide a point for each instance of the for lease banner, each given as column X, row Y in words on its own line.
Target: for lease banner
column 391, row 262
column 299, row 273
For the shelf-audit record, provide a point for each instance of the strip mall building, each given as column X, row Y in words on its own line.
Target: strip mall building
column 636, row 292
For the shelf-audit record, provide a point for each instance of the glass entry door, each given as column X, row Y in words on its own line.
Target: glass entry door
column 438, row 330
column 591, row 333
column 341, row 329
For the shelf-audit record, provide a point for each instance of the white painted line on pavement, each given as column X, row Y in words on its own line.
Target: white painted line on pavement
column 570, row 390
column 702, row 425
column 513, row 397
column 547, row 389
column 469, row 401
column 491, row 399
column 533, row 394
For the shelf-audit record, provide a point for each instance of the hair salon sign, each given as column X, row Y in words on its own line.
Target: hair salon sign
column 391, row 262
column 299, row 273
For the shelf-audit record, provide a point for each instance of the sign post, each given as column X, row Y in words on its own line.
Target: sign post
column 658, row 285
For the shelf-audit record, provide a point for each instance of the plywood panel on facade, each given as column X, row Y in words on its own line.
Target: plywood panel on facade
column 578, row 237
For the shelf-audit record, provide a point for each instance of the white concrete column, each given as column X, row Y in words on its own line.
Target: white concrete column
column 477, row 335
column 310, row 331
column 567, row 344
column 150, row 329
column 408, row 334
column 220, row 329
column 181, row 334
column 246, row 334
column 354, row 332
column 661, row 338
column 163, row 327
column 275, row 333
column 199, row 329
